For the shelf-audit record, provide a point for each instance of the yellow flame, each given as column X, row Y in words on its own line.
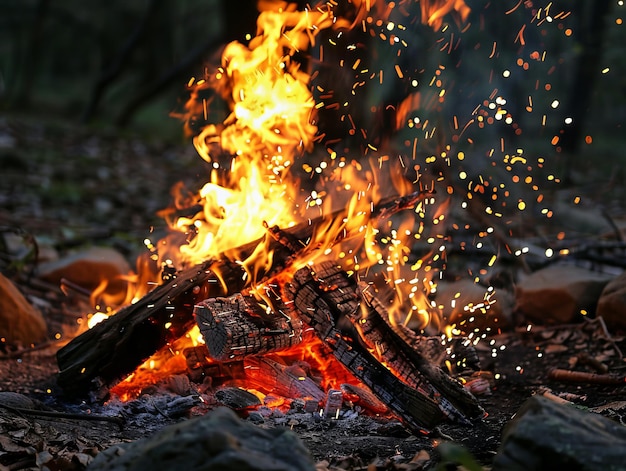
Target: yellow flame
column 269, row 124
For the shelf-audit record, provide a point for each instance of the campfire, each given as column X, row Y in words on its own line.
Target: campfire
column 306, row 267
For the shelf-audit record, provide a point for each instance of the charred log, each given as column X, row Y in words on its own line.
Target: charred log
column 322, row 302
column 112, row 349
column 326, row 298
column 287, row 381
column 237, row 326
column 202, row 369
column 393, row 344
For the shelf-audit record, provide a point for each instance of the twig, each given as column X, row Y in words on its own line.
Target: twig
column 34, row 348
column 607, row 336
column 584, row 377
column 547, row 393
column 586, row 359
column 67, row 284
column 65, row 415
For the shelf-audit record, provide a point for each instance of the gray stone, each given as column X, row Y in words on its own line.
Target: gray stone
column 218, row 441
column 546, row 435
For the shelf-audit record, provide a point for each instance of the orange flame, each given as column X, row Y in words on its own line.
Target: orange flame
column 269, row 124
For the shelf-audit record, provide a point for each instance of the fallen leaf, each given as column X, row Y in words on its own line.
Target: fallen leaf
column 553, row 348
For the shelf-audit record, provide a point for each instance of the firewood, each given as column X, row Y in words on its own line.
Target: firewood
column 238, row 326
column 237, row 398
column 102, row 356
column 363, row 397
column 201, row 367
column 269, row 375
column 570, row 376
column 322, row 302
column 393, row 345
column 325, row 296
column 112, row 349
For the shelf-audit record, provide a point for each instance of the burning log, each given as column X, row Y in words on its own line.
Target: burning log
column 237, row 326
column 326, row 298
column 323, row 300
column 201, row 368
column 112, row 349
column 102, row 356
column 364, row 398
column 287, row 381
column 393, row 346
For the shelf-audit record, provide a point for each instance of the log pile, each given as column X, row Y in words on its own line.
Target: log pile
column 242, row 330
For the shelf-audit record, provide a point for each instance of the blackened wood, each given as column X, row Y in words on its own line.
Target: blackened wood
column 392, row 343
column 102, row 356
column 363, row 397
column 322, row 303
column 237, row 398
column 201, row 368
column 238, row 326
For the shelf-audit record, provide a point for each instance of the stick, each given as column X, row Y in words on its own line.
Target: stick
column 584, row 377
column 586, row 359
column 65, row 415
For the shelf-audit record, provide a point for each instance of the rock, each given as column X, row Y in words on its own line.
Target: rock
column 557, row 294
column 579, row 218
column 218, row 441
column 88, row 269
column 13, row 400
column 548, row 435
column 463, row 303
column 20, row 322
column 612, row 303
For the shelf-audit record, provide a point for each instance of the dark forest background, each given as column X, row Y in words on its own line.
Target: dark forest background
column 124, row 64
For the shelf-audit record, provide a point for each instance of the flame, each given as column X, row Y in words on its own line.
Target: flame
column 434, row 11
column 269, row 123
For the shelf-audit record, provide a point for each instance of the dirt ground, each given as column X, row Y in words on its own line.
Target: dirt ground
column 72, row 189
column 351, row 442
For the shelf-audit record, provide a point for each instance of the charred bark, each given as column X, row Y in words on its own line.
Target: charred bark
column 237, row 326
column 326, row 298
column 394, row 346
column 112, row 349
column 287, row 381
column 322, row 300
column 202, row 369
column 102, row 356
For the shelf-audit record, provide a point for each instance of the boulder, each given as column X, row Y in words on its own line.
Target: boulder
column 89, row 269
column 546, row 435
column 218, row 441
column 612, row 303
column 20, row 322
column 558, row 293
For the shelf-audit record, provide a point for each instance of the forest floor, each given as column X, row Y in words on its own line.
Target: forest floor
column 70, row 188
